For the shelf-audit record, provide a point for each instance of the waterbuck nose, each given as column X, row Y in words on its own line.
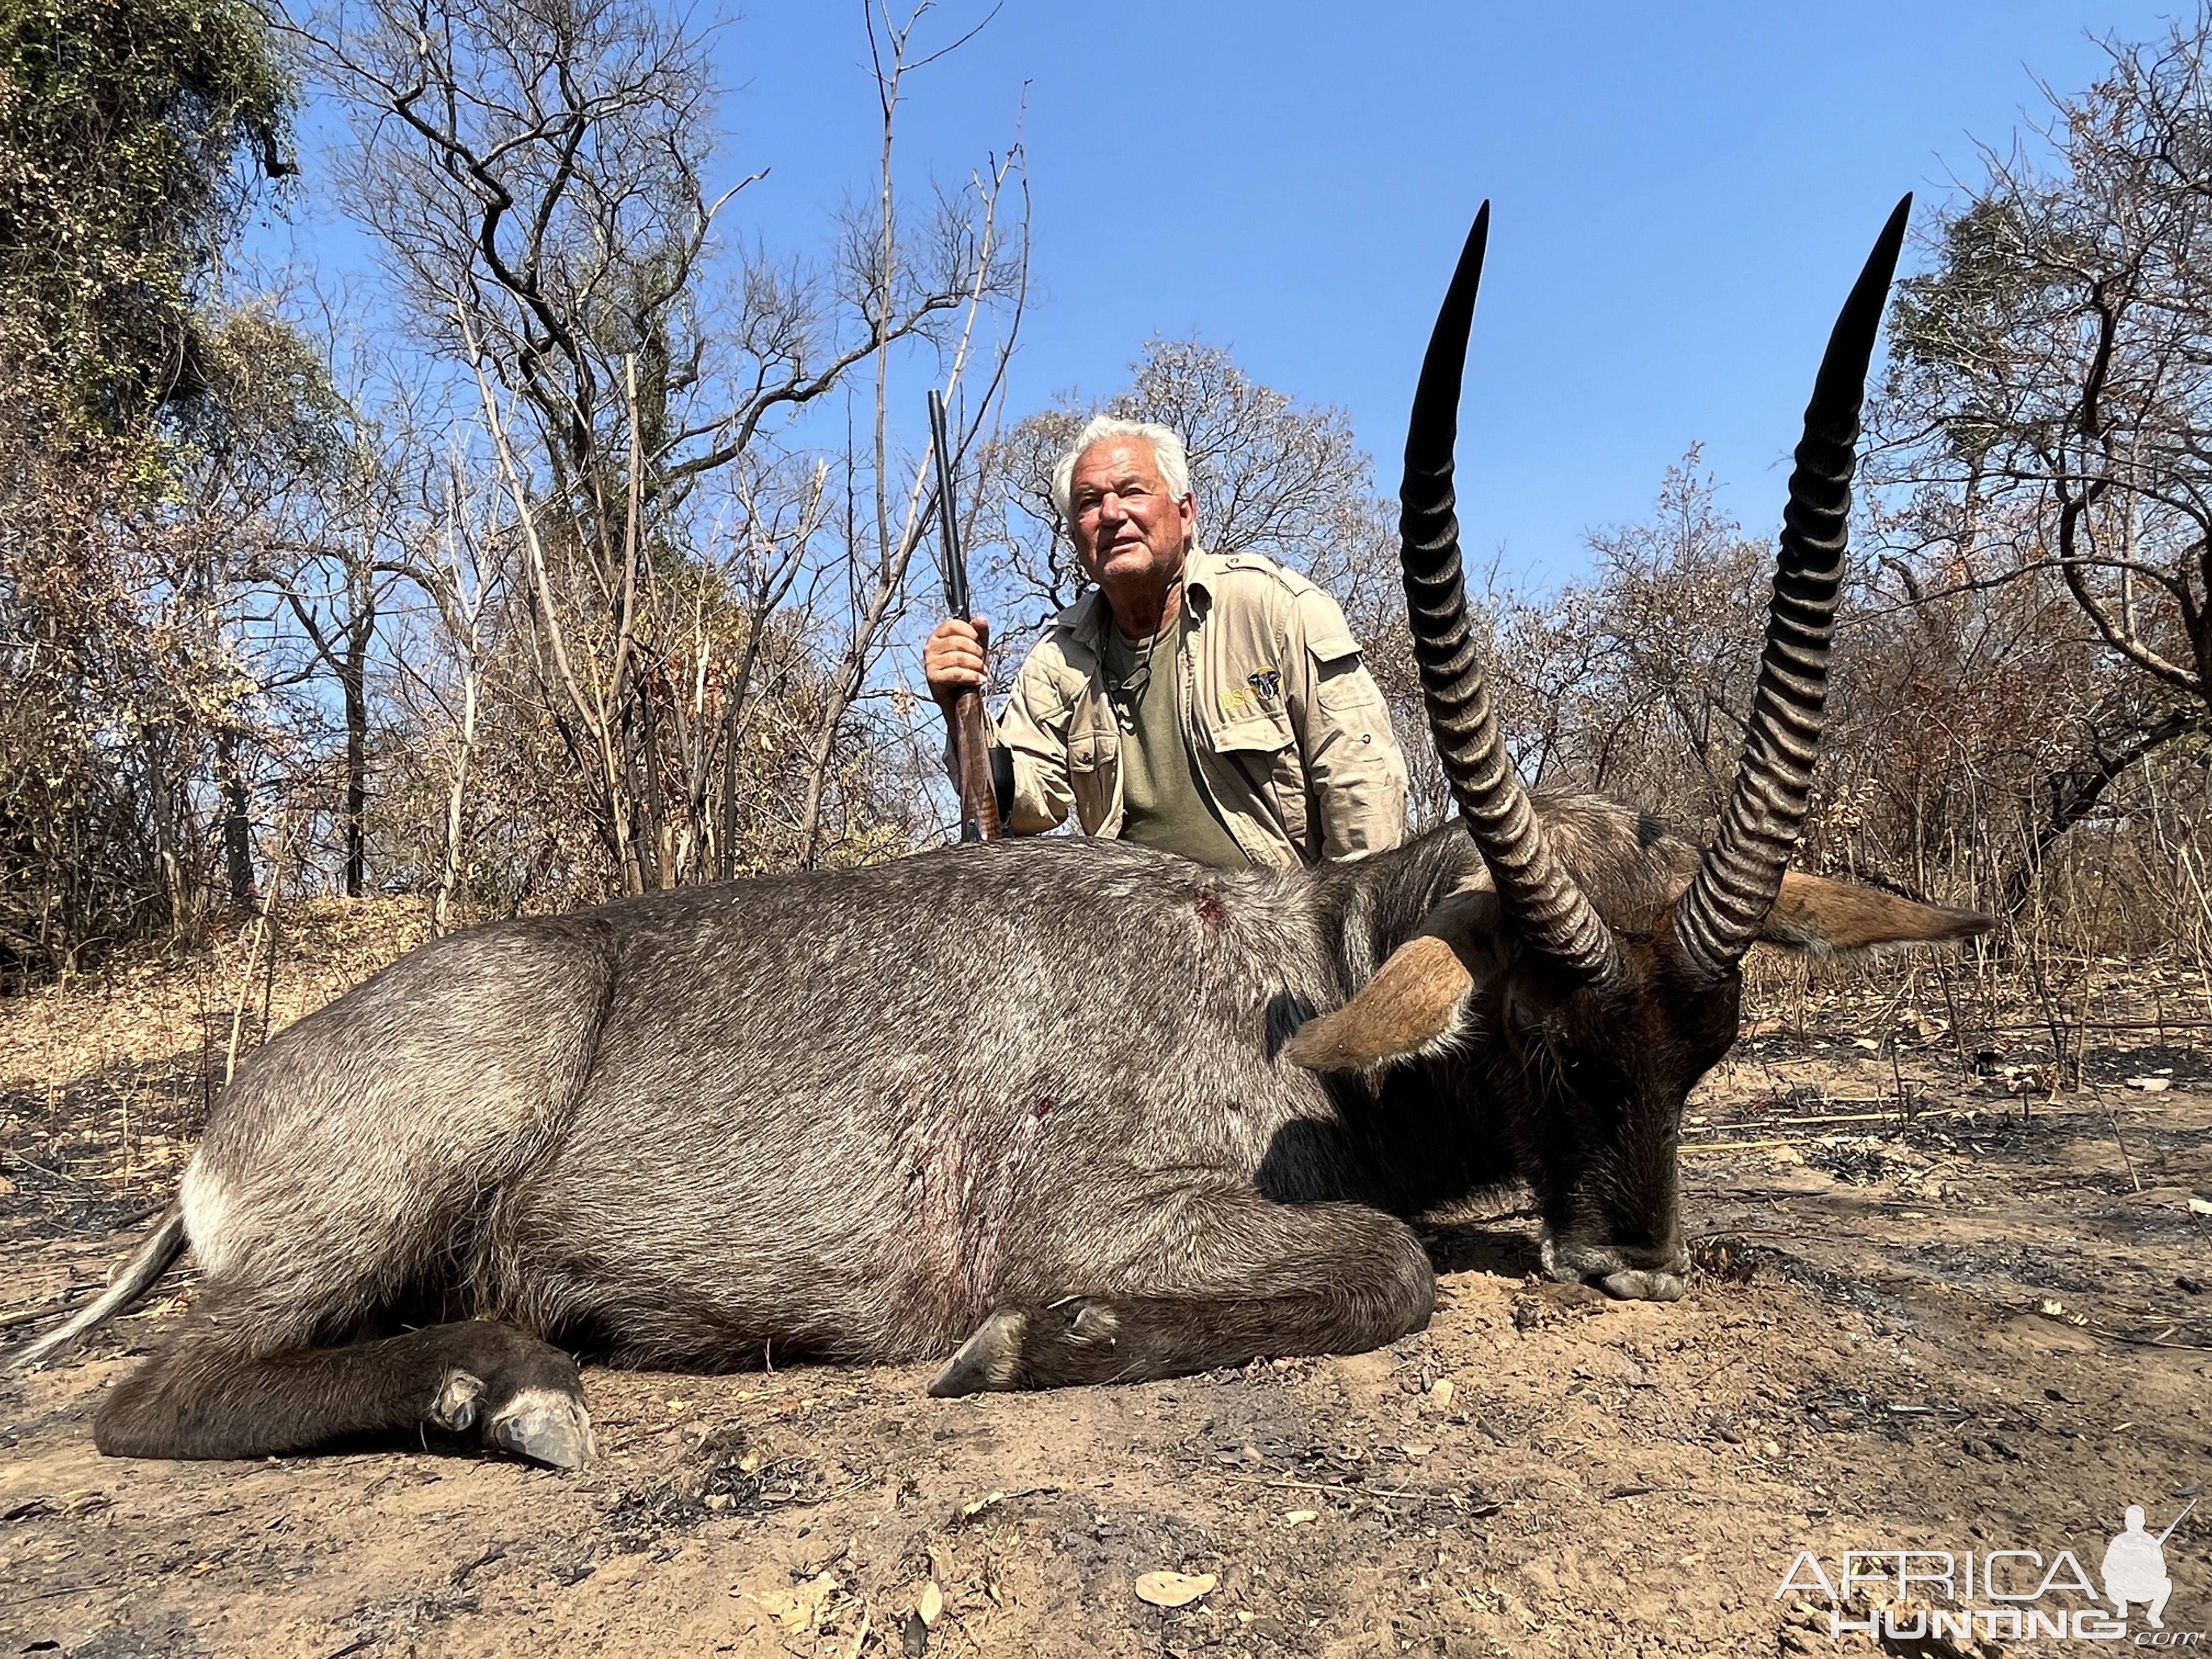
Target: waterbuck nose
column 1598, row 1264
column 1643, row 1285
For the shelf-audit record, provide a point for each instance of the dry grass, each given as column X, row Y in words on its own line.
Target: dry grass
column 105, row 1080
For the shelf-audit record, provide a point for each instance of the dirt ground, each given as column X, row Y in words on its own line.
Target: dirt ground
column 1985, row 1326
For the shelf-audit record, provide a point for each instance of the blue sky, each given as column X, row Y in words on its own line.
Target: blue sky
column 1682, row 194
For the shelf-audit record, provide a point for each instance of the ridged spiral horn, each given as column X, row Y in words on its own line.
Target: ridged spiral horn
column 1721, row 912
column 1548, row 911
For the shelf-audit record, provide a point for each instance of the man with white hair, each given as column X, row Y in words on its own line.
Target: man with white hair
column 1210, row 705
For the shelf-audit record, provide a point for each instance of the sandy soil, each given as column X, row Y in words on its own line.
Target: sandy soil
column 1988, row 1327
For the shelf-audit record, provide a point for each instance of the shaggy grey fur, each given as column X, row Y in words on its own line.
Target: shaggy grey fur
column 777, row 1115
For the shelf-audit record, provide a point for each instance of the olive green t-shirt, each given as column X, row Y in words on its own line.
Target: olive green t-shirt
column 1163, row 804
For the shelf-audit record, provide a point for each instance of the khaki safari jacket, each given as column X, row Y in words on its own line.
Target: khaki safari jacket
column 1292, row 736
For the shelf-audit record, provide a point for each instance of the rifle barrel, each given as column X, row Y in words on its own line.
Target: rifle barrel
column 2177, row 1521
column 955, row 567
column 978, row 803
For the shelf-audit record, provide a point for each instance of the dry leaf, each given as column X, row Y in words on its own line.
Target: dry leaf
column 931, row 1606
column 2151, row 1085
column 1298, row 1517
column 1440, row 1394
column 968, row 1512
column 799, row 1610
column 1173, row 1589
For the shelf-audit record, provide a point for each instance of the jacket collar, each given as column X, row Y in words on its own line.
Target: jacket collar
column 1090, row 616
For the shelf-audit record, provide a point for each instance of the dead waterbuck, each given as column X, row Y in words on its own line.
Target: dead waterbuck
column 1155, row 1118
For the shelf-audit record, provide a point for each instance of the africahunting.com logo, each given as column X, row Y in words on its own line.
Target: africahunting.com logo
column 2008, row 1595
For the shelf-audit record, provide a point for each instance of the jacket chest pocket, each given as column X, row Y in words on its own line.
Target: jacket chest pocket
column 1263, row 751
column 1092, row 758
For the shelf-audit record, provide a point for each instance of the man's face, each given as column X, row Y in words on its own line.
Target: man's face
column 1129, row 530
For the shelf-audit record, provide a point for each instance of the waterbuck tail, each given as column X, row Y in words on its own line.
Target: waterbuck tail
column 139, row 1275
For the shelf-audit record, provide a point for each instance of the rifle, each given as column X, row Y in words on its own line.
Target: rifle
column 979, row 800
column 2178, row 1520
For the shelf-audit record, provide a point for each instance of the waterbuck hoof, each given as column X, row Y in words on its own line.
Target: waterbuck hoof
column 990, row 1359
column 1642, row 1285
column 546, row 1427
column 454, row 1406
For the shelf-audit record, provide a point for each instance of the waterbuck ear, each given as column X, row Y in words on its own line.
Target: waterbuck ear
column 1413, row 1000
column 1833, row 917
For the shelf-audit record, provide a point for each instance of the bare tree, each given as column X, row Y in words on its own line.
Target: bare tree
column 539, row 178
column 883, row 531
column 2051, row 405
column 336, row 565
column 1681, row 600
column 443, row 663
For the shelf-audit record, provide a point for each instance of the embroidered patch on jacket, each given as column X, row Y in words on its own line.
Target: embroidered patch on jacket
column 1267, row 682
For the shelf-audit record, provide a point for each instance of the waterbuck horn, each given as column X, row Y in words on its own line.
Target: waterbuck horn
column 1541, row 901
column 1741, row 872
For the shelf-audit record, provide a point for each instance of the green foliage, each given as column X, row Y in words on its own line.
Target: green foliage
column 1955, row 328
column 137, row 428
column 122, row 126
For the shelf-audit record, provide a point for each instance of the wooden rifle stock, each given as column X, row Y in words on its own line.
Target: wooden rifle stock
column 979, row 800
column 972, row 743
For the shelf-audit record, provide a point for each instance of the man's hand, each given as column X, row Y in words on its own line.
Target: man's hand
column 956, row 658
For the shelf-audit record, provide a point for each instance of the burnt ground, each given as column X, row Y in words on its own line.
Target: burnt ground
column 1987, row 1325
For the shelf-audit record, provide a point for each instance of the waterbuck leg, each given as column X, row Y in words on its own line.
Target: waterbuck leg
column 205, row 1397
column 1237, row 1277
